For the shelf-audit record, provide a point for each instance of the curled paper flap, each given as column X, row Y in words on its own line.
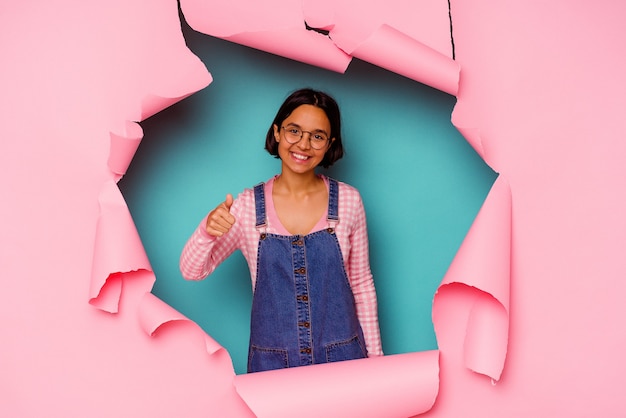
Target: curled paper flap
column 282, row 32
column 484, row 259
column 123, row 147
column 486, row 339
column 473, row 137
column 285, row 33
column 483, row 265
column 401, row 385
column 109, row 296
column 117, row 249
column 350, row 24
column 154, row 313
column 152, row 104
column 298, row 44
column 373, row 38
column 416, row 43
column 168, row 326
column 182, row 82
column 395, row 51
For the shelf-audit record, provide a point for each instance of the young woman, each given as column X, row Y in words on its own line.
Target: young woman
column 304, row 237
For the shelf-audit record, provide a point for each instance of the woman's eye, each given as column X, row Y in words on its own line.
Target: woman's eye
column 294, row 131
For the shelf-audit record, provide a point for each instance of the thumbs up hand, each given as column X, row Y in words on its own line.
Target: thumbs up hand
column 220, row 219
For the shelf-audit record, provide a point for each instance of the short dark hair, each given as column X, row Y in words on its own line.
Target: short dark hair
column 318, row 99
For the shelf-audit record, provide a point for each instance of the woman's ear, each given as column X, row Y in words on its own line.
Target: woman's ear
column 276, row 133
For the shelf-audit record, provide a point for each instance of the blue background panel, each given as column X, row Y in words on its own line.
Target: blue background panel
column 421, row 182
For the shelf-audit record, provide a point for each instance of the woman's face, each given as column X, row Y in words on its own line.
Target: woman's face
column 301, row 157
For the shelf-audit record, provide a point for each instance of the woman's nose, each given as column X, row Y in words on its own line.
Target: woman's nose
column 305, row 143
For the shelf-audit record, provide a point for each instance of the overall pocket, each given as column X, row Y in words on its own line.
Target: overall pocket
column 261, row 359
column 345, row 350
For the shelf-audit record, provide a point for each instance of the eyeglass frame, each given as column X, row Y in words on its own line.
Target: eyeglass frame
column 302, row 132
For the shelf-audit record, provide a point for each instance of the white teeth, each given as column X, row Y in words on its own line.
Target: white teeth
column 300, row 157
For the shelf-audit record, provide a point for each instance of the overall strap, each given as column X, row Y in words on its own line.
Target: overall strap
column 259, row 204
column 333, row 201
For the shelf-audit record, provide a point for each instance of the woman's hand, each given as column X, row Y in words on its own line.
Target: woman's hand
column 220, row 219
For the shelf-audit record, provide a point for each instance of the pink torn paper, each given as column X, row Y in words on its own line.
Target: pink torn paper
column 350, row 23
column 472, row 136
column 395, row 386
column 483, row 267
column 152, row 103
column 117, row 249
column 184, row 79
column 123, row 148
column 418, row 49
column 416, row 43
column 281, row 32
column 395, row 51
column 503, row 63
column 154, row 313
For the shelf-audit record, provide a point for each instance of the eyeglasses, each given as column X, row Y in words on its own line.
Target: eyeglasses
column 317, row 139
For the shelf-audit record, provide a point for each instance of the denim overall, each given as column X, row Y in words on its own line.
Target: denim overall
column 303, row 309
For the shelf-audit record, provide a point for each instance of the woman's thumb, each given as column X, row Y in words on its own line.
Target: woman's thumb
column 229, row 201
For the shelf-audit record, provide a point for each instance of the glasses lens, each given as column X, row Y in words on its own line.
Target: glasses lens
column 318, row 140
column 292, row 134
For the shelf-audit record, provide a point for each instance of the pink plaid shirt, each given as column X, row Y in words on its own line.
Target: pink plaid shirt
column 203, row 252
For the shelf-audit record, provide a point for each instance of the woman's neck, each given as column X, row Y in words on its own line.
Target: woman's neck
column 297, row 184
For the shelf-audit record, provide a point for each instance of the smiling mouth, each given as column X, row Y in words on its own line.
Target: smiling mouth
column 300, row 156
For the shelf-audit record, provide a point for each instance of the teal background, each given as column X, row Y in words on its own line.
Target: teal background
column 422, row 184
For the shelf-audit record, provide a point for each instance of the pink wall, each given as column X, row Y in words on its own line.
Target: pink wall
column 532, row 303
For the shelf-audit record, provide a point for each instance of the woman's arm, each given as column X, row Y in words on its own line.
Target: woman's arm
column 203, row 252
column 362, row 281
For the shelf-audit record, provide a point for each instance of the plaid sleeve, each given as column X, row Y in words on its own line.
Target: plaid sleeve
column 203, row 252
column 358, row 266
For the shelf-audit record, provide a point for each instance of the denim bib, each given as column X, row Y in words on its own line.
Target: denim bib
column 303, row 309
